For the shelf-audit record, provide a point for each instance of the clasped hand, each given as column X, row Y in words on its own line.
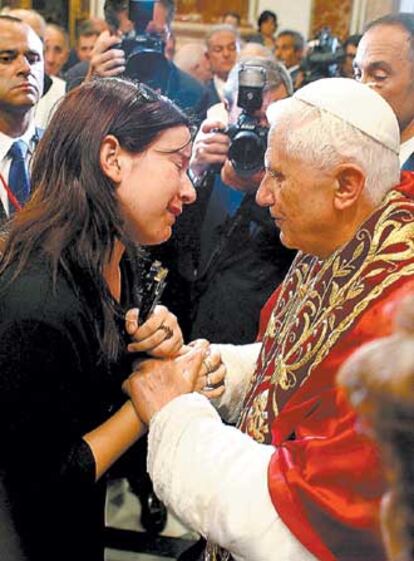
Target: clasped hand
column 156, row 382
column 177, row 368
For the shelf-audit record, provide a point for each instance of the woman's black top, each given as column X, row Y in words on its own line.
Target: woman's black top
column 55, row 386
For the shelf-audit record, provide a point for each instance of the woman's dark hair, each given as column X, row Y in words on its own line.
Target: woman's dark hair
column 266, row 15
column 73, row 217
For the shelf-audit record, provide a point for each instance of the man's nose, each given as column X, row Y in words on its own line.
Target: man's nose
column 23, row 65
column 264, row 196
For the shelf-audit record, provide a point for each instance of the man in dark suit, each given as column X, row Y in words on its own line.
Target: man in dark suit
column 225, row 257
column 223, row 44
column 21, row 86
column 385, row 61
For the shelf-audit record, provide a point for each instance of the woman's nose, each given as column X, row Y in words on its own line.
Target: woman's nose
column 188, row 193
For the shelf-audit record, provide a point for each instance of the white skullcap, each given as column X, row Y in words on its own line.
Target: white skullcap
column 353, row 102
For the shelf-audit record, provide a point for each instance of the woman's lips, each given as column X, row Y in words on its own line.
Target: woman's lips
column 175, row 210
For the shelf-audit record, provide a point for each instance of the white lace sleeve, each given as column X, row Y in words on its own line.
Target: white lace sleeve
column 240, row 361
column 214, row 478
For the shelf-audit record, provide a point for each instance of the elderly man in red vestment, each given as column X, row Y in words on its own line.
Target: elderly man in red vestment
column 296, row 480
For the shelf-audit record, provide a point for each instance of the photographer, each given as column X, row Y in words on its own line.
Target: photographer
column 226, row 250
column 152, row 27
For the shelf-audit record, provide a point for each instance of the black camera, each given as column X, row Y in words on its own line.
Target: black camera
column 144, row 47
column 324, row 57
column 248, row 138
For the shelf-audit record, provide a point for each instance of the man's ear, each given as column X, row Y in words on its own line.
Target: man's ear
column 108, row 157
column 350, row 183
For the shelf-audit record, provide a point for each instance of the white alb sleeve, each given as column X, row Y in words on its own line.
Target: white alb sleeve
column 214, row 478
column 240, row 361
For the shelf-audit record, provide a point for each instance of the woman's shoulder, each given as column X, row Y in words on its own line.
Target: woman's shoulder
column 34, row 294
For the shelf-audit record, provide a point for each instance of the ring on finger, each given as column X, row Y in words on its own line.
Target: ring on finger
column 167, row 330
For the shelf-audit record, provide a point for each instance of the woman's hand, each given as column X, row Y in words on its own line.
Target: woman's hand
column 158, row 381
column 160, row 336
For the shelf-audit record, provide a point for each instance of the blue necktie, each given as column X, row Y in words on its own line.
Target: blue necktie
column 19, row 181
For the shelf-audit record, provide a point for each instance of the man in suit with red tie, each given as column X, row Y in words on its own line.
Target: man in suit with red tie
column 21, row 86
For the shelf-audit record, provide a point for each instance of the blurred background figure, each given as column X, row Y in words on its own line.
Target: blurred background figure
column 86, row 37
column 56, row 42
column 232, row 18
column 254, row 50
column 379, row 381
column 350, row 48
column 192, row 58
column 290, row 48
column 267, row 27
column 223, row 43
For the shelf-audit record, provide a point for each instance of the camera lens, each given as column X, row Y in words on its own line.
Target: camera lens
column 246, row 153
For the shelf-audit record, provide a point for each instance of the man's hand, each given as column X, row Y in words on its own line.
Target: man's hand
column 211, row 376
column 156, row 382
column 209, row 147
column 107, row 58
column 160, row 336
column 246, row 184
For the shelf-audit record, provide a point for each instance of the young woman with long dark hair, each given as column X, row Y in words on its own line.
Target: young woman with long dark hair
column 109, row 176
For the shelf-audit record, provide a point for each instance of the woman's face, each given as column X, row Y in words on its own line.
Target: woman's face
column 154, row 186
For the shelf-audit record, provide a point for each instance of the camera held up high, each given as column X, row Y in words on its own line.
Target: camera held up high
column 144, row 48
column 248, row 138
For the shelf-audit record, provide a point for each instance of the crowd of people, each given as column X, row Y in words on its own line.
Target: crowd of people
column 272, row 430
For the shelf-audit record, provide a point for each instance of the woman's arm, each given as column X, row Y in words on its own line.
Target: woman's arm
column 111, row 439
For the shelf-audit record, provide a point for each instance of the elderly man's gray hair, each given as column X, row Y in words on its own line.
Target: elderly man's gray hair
column 324, row 140
column 276, row 74
column 220, row 28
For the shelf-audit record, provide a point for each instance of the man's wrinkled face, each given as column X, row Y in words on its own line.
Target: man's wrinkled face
column 222, row 53
column 385, row 61
column 21, row 66
column 299, row 197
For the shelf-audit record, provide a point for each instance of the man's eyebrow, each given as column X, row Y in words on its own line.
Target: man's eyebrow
column 375, row 65
column 7, row 52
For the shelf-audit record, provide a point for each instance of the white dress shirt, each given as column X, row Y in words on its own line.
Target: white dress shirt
column 219, row 85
